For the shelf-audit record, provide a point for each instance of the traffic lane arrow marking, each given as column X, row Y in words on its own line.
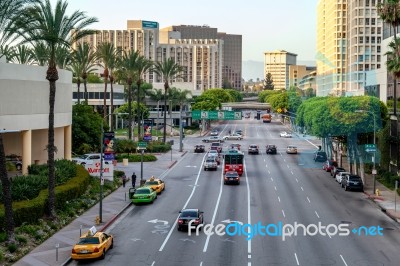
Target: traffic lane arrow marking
column 228, row 221
column 159, row 231
column 187, row 239
column 136, row 239
column 193, row 185
column 158, row 221
column 228, row 240
column 191, row 166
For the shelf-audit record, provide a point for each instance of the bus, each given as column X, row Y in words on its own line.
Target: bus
column 233, row 161
column 266, row 118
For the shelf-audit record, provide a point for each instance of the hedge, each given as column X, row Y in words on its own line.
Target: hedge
column 136, row 157
column 30, row 211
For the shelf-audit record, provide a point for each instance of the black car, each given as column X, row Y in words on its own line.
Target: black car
column 199, row 148
column 16, row 160
column 232, row 177
column 320, row 156
column 187, row 215
column 350, row 182
column 270, row 149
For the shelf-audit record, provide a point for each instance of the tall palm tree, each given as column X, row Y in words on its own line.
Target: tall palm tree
column 22, row 55
column 53, row 27
column 168, row 70
column 76, row 68
column 112, row 67
column 106, row 53
column 40, row 53
column 7, row 52
column 157, row 95
column 9, row 11
column 86, row 57
column 143, row 65
column 127, row 68
column 389, row 12
column 63, row 57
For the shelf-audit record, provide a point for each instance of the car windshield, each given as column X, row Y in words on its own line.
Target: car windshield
column 142, row 191
column 354, row 178
column 83, row 156
column 232, row 174
column 189, row 214
column 88, row 240
column 211, row 160
column 253, row 146
column 152, row 183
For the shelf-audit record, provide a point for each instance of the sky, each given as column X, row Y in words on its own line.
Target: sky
column 265, row 25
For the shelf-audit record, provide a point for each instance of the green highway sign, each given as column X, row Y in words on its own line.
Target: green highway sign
column 142, row 145
column 370, row 147
column 216, row 115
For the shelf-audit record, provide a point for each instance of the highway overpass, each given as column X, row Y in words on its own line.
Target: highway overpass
column 246, row 105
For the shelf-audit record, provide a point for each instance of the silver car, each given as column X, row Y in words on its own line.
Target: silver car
column 233, row 137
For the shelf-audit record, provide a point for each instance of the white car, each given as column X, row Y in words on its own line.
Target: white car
column 89, row 158
column 340, row 175
column 212, row 139
column 234, row 137
column 285, row 134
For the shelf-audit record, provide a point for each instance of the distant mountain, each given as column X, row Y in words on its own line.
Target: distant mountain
column 254, row 69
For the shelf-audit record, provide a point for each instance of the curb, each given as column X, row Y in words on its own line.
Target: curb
column 183, row 154
column 172, row 164
column 388, row 212
column 104, row 227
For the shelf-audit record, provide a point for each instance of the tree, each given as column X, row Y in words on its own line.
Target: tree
column 236, row 95
column 294, row 99
column 143, row 65
column 157, row 95
column 222, row 95
column 268, row 82
column 266, row 93
column 76, row 69
column 389, row 12
column 86, row 128
column 40, row 53
column 107, row 54
column 86, row 58
column 168, row 70
column 22, row 55
column 41, row 24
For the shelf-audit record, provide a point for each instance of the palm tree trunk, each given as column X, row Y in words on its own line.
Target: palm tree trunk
column 78, row 83
column 86, row 93
column 138, row 113
column 52, row 76
column 394, row 76
column 6, row 184
column 112, row 102
column 129, row 109
column 165, row 115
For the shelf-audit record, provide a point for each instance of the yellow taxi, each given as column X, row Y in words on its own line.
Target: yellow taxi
column 156, row 184
column 92, row 245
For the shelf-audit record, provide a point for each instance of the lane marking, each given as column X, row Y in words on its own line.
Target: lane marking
column 297, row 260
column 187, row 202
column 269, row 172
column 308, row 200
column 302, row 188
column 297, row 180
column 153, row 263
column 287, row 166
column 275, row 189
column 249, row 256
column 283, row 212
column 248, row 208
column 216, row 208
column 266, row 165
column 201, row 263
column 272, row 179
column 316, row 213
column 343, row 260
column 291, row 172
column 284, row 160
column 279, row 199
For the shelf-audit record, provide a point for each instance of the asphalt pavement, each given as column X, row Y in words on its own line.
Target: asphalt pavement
column 57, row 249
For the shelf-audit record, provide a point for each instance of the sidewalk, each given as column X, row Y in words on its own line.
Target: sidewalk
column 113, row 206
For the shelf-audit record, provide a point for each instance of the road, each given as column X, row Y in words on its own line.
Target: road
column 274, row 189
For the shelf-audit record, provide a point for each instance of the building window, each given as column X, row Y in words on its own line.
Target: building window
column 361, row 39
column 372, row 21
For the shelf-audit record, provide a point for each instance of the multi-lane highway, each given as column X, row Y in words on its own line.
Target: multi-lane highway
column 275, row 189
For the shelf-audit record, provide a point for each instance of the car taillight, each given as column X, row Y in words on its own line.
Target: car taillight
column 96, row 249
column 180, row 221
column 197, row 221
column 226, row 178
column 73, row 251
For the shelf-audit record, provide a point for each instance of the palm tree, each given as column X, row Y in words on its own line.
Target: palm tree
column 63, row 57
column 178, row 96
column 86, row 57
column 127, row 68
column 168, row 70
column 41, row 24
column 389, row 12
column 40, row 53
column 143, row 65
column 157, row 95
column 7, row 51
column 76, row 68
column 22, row 55
column 106, row 53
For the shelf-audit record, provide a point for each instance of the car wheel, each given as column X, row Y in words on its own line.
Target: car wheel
column 345, row 188
column 179, row 228
column 112, row 244
column 103, row 255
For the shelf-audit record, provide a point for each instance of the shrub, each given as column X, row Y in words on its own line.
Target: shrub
column 157, row 146
column 136, row 157
column 3, row 237
column 12, row 247
column 36, row 169
column 21, row 239
column 65, row 170
column 10, row 167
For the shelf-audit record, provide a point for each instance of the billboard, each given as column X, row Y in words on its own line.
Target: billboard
column 109, row 146
column 148, row 129
column 149, row 24
column 108, row 170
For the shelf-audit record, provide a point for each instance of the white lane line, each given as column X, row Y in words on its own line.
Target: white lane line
column 283, row 212
column 308, row 200
column 249, row 264
column 343, row 260
column 269, row 172
column 302, row 188
column 201, row 263
column 187, row 202
column 287, row 166
column 266, row 165
column 279, row 199
column 248, row 208
column 297, row 180
column 249, row 256
column 297, row 260
column 292, row 172
column 272, row 179
column 284, row 160
column 216, row 209
column 153, row 263
column 316, row 213
column 275, row 189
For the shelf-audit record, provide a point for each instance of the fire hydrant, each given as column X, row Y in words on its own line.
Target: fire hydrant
column 377, row 192
column 97, row 220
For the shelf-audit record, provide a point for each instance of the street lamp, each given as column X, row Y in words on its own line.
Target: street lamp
column 373, row 165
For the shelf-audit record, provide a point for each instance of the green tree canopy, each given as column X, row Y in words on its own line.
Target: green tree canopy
column 125, row 109
column 236, row 95
column 268, row 82
column 222, row 95
column 263, row 94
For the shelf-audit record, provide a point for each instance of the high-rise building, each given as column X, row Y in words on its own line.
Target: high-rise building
column 277, row 63
column 348, row 45
column 297, row 72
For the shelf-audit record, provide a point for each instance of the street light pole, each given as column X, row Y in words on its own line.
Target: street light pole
column 101, row 173
column 180, row 131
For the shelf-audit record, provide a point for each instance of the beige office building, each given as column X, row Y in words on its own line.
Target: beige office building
column 277, row 63
column 297, row 72
column 348, row 45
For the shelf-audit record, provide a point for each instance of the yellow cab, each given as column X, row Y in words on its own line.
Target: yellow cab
column 156, row 184
column 92, row 245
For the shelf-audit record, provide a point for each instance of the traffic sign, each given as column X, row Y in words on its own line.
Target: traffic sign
column 142, row 145
column 216, row 115
column 370, row 147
